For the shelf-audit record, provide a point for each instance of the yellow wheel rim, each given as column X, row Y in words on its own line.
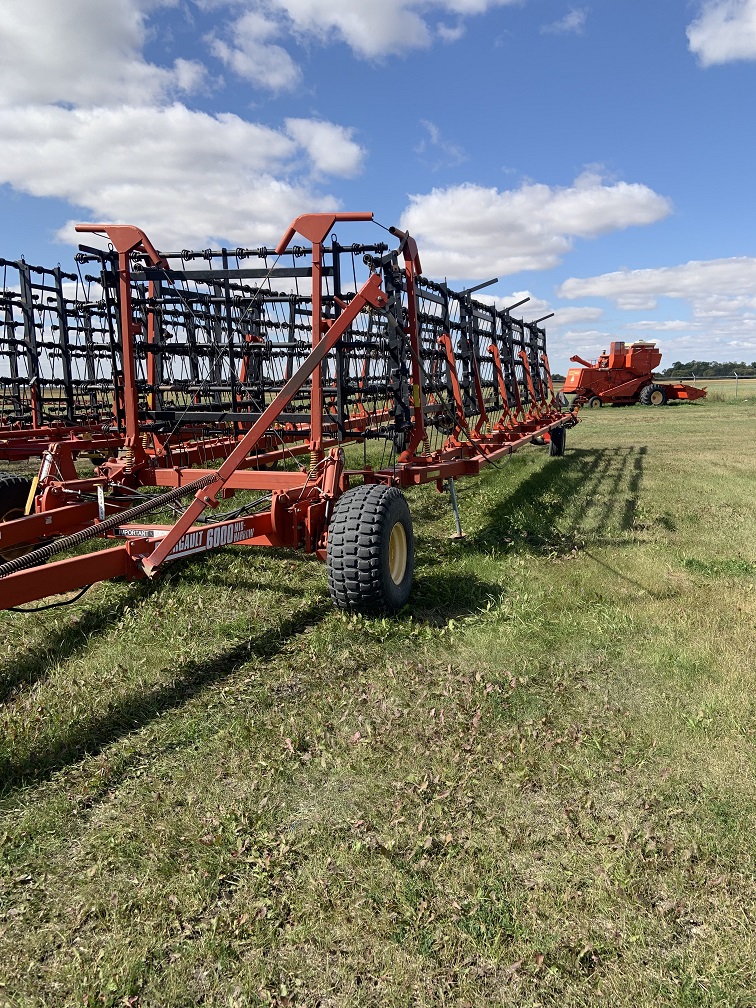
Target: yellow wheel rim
column 657, row 398
column 398, row 553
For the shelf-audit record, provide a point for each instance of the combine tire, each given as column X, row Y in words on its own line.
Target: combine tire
column 653, row 395
column 556, row 444
column 14, row 493
column 371, row 550
column 594, row 402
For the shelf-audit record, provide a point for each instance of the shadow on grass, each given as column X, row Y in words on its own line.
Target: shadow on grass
column 93, row 734
column 438, row 598
column 31, row 666
column 573, row 499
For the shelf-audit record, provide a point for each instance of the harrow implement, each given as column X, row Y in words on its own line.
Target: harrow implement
column 278, row 365
column 58, row 357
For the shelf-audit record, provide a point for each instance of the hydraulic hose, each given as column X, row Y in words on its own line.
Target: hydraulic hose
column 44, row 553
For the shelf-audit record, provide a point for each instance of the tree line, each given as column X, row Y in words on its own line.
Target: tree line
column 709, row 369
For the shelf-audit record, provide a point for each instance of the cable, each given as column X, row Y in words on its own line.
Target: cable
column 52, row 605
column 230, row 515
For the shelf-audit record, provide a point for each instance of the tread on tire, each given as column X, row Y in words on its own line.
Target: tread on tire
column 370, row 560
column 558, row 439
column 14, row 493
column 653, row 395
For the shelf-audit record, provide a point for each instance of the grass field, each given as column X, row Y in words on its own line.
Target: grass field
column 723, row 389
column 535, row 787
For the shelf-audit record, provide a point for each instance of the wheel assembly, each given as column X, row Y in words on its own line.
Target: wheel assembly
column 14, row 494
column 557, row 442
column 653, row 395
column 371, row 550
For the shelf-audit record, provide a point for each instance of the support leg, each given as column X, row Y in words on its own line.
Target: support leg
column 459, row 534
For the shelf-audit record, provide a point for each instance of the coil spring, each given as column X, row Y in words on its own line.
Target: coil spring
column 126, row 455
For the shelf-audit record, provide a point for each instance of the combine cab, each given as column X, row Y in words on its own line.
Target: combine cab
column 624, row 377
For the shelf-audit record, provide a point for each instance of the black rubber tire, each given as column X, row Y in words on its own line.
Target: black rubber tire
column 558, row 440
column 593, row 402
column 653, row 395
column 14, row 493
column 357, row 554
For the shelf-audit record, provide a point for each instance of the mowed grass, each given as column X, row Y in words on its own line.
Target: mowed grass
column 724, row 389
column 533, row 787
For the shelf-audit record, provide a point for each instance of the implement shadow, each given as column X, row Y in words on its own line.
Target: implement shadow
column 32, row 666
column 438, row 598
column 572, row 500
column 96, row 733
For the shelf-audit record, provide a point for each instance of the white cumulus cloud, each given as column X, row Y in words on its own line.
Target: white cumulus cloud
column 196, row 177
column 436, row 150
column 720, row 293
column 252, row 54
column 330, row 147
column 74, row 52
column 87, row 119
column 372, row 30
column 668, row 325
column 450, row 33
column 724, row 280
column 724, row 31
column 572, row 22
column 468, row 230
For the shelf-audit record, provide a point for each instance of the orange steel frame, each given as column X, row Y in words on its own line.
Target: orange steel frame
column 302, row 500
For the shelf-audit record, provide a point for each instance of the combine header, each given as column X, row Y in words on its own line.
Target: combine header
column 624, row 377
column 320, row 378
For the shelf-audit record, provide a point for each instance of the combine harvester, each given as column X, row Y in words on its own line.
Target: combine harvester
column 274, row 361
column 624, row 377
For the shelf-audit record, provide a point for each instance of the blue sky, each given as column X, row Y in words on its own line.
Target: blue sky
column 596, row 156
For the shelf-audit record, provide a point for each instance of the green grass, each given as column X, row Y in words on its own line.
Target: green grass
column 534, row 787
column 725, row 389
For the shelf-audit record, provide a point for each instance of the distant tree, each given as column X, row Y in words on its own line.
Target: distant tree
column 709, row 369
column 558, row 377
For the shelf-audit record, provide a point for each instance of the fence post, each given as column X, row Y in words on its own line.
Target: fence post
column 736, row 384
